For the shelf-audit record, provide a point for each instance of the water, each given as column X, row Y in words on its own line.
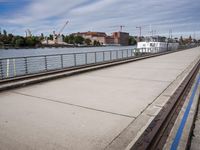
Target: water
column 71, row 57
column 49, row 51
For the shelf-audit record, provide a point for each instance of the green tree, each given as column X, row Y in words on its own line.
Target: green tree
column 66, row 39
column 190, row 39
column 50, row 37
column 19, row 42
column 88, row 41
column 78, row 39
column 29, row 41
column 71, row 39
column 132, row 41
column 96, row 43
column 4, row 32
column 42, row 36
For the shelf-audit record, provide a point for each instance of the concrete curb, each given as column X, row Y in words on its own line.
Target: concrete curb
column 184, row 142
column 127, row 139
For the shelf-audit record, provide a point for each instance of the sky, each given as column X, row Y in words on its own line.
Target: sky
column 46, row 16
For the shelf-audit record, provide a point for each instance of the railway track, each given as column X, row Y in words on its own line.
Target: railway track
column 155, row 135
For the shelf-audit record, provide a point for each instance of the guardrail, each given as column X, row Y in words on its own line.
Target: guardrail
column 22, row 66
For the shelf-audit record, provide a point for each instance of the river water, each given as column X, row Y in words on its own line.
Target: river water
column 11, row 66
column 49, row 51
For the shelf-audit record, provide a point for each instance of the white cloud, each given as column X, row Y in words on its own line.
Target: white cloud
column 48, row 15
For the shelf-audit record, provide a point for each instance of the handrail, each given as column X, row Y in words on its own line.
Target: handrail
column 28, row 65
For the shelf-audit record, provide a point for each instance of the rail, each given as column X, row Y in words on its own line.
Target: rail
column 29, row 65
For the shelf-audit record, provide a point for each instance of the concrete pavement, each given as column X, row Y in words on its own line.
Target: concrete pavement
column 91, row 110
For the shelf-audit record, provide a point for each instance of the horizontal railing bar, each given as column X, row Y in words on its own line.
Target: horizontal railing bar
column 51, row 55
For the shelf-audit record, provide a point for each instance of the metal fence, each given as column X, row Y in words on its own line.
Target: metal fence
column 21, row 66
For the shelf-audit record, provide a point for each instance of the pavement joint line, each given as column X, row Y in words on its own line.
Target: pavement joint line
column 131, row 78
column 66, row 103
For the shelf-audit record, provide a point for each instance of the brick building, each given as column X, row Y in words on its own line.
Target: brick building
column 117, row 38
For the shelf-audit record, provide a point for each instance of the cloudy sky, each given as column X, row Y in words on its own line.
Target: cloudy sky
column 44, row 16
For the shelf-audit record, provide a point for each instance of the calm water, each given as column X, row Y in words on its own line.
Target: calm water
column 48, row 51
column 21, row 66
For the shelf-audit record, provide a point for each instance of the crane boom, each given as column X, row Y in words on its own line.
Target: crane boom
column 61, row 30
column 119, row 26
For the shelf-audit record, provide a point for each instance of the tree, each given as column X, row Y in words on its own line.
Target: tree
column 4, row 32
column 181, row 42
column 66, row 39
column 50, row 37
column 96, row 43
column 78, row 39
column 132, row 40
column 71, row 39
column 29, row 41
column 19, row 42
column 88, row 41
column 42, row 36
column 190, row 39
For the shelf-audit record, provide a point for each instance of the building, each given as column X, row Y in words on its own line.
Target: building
column 121, row 38
column 93, row 36
column 117, row 38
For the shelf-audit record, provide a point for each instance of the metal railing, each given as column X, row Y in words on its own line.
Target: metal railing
column 21, row 66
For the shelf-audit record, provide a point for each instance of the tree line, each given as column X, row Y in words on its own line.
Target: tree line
column 10, row 40
column 16, row 41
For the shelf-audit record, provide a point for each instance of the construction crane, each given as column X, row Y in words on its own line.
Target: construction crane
column 120, row 27
column 140, row 30
column 61, row 30
column 141, row 27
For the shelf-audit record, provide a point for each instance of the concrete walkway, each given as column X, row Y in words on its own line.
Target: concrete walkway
column 87, row 111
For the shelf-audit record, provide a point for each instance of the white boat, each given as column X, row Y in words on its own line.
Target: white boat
column 155, row 44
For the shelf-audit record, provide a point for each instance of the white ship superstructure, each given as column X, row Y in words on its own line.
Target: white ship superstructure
column 157, row 44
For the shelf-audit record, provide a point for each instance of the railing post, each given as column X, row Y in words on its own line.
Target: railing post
column 45, row 61
column 122, row 54
column 110, row 55
column 74, row 59
column 95, row 55
column 14, row 68
column 1, row 69
column 131, row 53
column 26, row 65
column 86, row 58
column 103, row 56
column 127, row 53
column 117, row 54
column 61, row 59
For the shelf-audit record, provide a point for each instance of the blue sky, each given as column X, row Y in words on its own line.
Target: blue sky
column 45, row 16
